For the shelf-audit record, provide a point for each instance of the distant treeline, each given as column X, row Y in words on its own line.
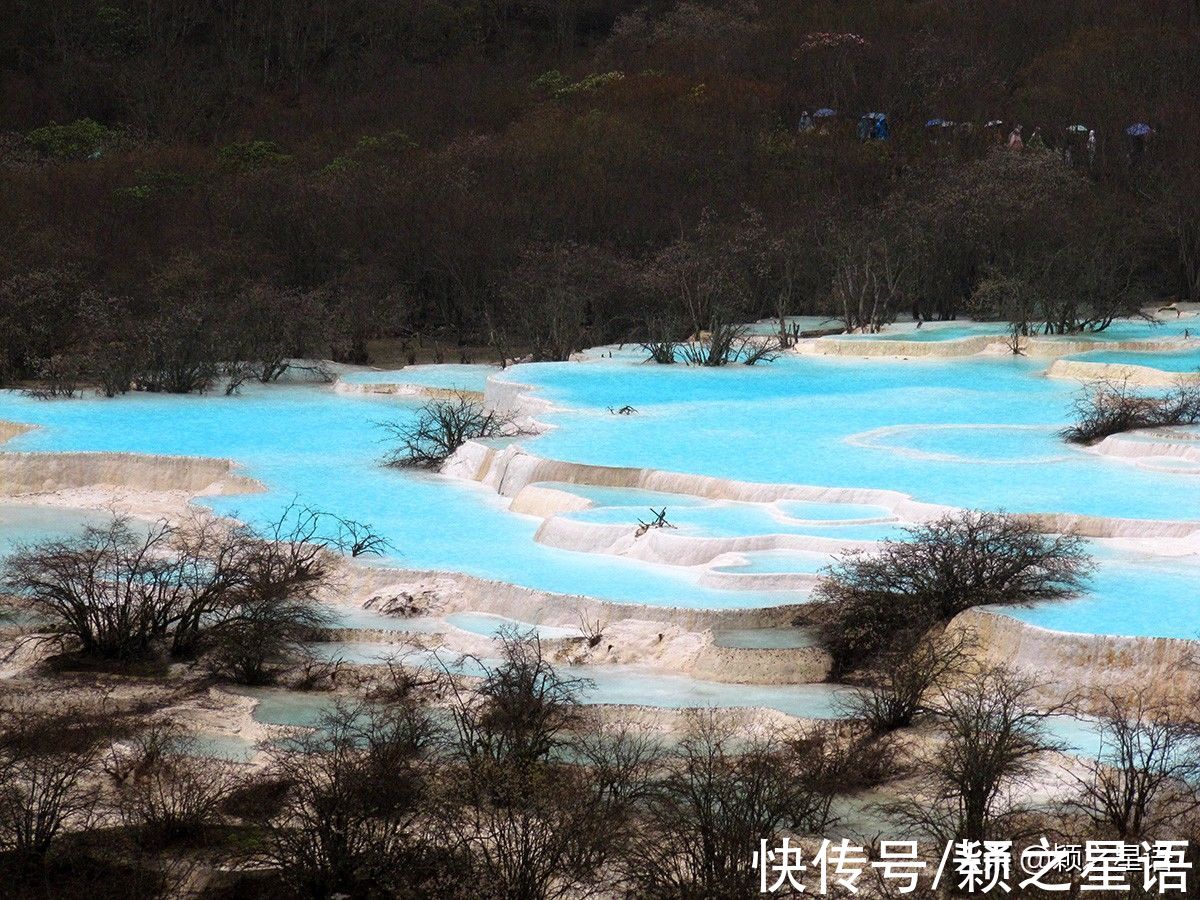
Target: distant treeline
column 188, row 183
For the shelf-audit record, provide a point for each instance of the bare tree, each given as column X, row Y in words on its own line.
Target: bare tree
column 866, row 285
column 876, row 602
column 441, row 427
column 1145, row 781
column 994, row 741
column 1106, row 408
column 896, row 686
column 352, row 818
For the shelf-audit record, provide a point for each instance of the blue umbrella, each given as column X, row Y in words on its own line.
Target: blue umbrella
column 824, row 113
column 933, row 123
column 1139, row 130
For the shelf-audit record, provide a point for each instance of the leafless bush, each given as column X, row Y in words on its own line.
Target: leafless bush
column 360, row 539
column 169, row 791
column 58, row 378
column 1145, row 782
column 724, row 343
column 352, row 820
column 895, row 688
column 717, row 793
column 879, row 602
column 524, row 811
column 125, row 596
column 1109, row 408
column 593, row 629
column 662, row 351
column 994, row 740
column 441, row 427
column 315, row 674
column 48, row 749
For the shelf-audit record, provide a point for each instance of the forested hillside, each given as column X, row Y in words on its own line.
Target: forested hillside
column 187, row 181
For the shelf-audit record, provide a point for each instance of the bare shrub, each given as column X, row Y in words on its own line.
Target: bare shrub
column 1109, row 408
column 169, row 792
column 994, row 740
column 441, row 427
column 1145, row 781
column 48, row 749
column 360, row 539
column 661, row 350
column 723, row 343
column 351, row 821
column 532, row 780
column 125, row 596
column 58, row 378
column 872, row 603
column 894, row 689
column 719, row 792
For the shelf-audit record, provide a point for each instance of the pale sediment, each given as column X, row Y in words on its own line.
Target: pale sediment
column 776, row 665
column 40, row 473
column 869, row 347
column 1126, row 373
column 1110, row 527
column 1038, row 347
column 458, row 592
column 511, row 469
column 1068, row 666
column 672, row 639
column 10, row 430
column 416, row 391
column 669, row 547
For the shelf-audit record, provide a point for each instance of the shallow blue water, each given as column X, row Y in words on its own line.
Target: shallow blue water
column 322, row 449
column 857, row 423
column 21, row 523
column 972, row 432
column 1167, row 361
column 760, row 562
column 1129, row 595
column 764, row 638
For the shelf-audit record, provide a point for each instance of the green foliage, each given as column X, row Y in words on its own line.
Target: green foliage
column 244, row 156
column 395, row 141
column 82, row 139
column 340, row 165
column 557, row 85
column 551, row 82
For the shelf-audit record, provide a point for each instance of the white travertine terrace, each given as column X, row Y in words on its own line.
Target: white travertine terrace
column 679, row 639
column 1070, row 666
column 9, row 430
column 1127, row 373
column 33, row 473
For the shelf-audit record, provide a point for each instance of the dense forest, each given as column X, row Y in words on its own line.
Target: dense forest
column 186, row 182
